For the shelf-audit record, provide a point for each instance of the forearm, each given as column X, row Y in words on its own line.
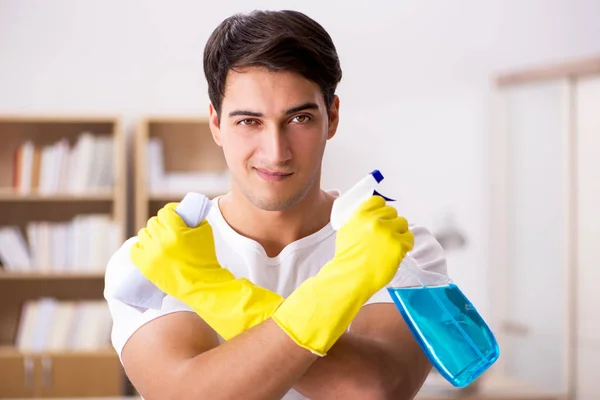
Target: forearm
column 261, row 363
column 359, row 367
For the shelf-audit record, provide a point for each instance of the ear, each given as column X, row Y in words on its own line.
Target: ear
column 334, row 117
column 215, row 127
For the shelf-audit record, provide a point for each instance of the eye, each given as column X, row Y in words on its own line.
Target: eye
column 247, row 122
column 301, row 119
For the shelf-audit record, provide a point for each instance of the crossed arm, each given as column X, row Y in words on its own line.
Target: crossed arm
column 178, row 356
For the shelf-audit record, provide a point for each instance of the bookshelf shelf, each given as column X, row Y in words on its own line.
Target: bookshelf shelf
column 12, row 351
column 63, row 199
column 13, row 195
column 166, row 197
column 174, row 156
column 49, row 276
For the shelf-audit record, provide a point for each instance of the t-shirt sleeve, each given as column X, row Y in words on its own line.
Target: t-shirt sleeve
column 128, row 319
column 427, row 255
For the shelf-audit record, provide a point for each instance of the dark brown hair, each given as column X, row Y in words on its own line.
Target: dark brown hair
column 276, row 40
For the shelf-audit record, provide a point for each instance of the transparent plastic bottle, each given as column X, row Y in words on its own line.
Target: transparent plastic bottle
column 450, row 331
column 446, row 325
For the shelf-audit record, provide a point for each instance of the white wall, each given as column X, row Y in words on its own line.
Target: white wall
column 416, row 84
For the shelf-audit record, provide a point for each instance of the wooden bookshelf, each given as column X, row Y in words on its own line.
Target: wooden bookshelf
column 60, row 373
column 187, row 147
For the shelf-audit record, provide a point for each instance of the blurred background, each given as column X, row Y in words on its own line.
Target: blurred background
column 484, row 116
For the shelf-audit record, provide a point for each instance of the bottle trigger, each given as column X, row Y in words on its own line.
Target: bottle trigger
column 376, row 193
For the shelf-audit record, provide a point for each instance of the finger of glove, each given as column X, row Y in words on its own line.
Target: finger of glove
column 143, row 238
column 398, row 224
column 154, row 227
column 371, row 204
column 407, row 239
column 171, row 205
column 385, row 213
column 167, row 216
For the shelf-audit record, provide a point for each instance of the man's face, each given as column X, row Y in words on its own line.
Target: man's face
column 273, row 130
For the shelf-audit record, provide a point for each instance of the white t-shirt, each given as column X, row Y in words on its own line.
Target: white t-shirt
column 246, row 258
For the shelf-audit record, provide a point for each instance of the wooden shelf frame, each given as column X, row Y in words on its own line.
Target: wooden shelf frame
column 578, row 79
column 188, row 146
column 560, row 70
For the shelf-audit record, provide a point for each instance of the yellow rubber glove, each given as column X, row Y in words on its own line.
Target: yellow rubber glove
column 369, row 249
column 182, row 262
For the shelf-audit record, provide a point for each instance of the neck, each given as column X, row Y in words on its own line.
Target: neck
column 274, row 230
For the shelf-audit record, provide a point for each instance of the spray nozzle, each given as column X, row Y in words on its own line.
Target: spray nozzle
column 378, row 176
column 346, row 204
column 376, row 193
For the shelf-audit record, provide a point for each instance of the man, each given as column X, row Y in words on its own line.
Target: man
column 265, row 300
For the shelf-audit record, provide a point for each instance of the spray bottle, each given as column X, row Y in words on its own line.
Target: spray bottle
column 135, row 289
column 448, row 328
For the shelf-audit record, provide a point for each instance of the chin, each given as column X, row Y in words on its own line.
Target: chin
column 274, row 202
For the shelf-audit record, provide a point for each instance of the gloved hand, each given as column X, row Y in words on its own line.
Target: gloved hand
column 369, row 250
column 182, row 262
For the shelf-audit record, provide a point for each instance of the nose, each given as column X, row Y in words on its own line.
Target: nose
column 275, row 146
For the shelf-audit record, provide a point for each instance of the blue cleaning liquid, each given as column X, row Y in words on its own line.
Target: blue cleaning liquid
column 450, row 331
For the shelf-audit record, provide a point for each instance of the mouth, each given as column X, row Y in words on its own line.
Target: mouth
column 270, row 175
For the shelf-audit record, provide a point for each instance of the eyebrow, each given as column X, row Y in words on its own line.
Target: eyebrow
column 305, row 106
